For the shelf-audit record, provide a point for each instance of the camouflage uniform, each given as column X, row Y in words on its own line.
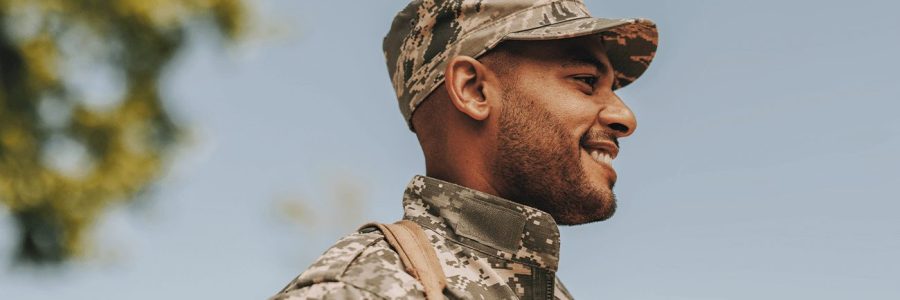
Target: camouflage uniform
column 489, row 248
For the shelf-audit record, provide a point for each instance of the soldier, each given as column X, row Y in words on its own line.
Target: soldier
column 514, row 106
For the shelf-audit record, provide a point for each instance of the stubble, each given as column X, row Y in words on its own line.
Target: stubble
column 538, row 165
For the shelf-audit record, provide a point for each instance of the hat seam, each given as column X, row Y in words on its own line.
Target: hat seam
column 515, row 14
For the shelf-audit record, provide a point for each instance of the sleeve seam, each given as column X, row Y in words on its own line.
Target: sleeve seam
column 340, row 277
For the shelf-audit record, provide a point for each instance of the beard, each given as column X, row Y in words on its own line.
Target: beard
column 538, row 165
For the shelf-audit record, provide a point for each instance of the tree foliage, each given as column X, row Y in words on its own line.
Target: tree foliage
column 64, row 158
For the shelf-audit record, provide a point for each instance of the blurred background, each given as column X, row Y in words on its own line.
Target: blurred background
column 213, row 148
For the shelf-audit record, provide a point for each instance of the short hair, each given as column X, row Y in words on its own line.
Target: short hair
column 500, row 59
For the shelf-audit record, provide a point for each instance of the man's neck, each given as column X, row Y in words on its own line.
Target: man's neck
column 477, row 181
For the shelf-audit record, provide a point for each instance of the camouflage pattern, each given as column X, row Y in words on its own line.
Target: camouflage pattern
column 489, row 248
column 427, row 33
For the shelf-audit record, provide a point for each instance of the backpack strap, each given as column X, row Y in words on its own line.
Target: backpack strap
column 417, row 254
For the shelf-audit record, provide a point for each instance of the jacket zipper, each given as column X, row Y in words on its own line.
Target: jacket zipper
column 550, row 287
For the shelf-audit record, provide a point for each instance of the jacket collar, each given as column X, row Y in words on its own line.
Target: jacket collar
column 490, row 224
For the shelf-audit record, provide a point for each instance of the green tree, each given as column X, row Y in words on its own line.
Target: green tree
column 64, row 159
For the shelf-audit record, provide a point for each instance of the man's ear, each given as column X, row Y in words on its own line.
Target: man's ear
column 464, row 80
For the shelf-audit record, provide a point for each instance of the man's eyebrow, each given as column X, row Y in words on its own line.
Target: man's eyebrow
column 586, row 60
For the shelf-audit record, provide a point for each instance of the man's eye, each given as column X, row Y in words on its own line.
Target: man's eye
column 590, row 80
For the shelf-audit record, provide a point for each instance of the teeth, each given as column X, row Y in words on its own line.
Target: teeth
column 601, row 157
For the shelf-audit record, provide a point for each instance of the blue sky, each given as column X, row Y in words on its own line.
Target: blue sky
column 764, row 164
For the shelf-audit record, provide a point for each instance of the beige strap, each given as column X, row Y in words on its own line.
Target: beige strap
column 417, row 254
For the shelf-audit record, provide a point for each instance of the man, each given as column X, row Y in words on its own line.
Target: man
column 513, row 104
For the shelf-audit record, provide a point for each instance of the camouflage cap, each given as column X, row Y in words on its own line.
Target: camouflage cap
column 428, row 32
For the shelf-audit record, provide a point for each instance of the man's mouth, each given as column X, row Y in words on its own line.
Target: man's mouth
column 601, row 157
column 602, row 152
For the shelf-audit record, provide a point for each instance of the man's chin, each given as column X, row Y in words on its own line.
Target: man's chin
column 588, row 211
column 602, row 176
column 586, row 219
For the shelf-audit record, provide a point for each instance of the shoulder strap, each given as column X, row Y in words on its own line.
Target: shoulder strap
column 417, row 254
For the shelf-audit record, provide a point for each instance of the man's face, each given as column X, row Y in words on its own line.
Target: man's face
column 558, row 129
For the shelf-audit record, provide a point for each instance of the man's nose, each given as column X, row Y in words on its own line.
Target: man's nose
column 618, row 117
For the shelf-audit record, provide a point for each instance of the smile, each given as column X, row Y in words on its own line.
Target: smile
column 601, row 157
column 602, row 152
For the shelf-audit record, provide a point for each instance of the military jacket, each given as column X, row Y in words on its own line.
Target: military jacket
column 489, row 248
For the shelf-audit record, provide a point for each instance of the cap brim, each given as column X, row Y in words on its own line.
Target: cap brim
column 630, row 43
